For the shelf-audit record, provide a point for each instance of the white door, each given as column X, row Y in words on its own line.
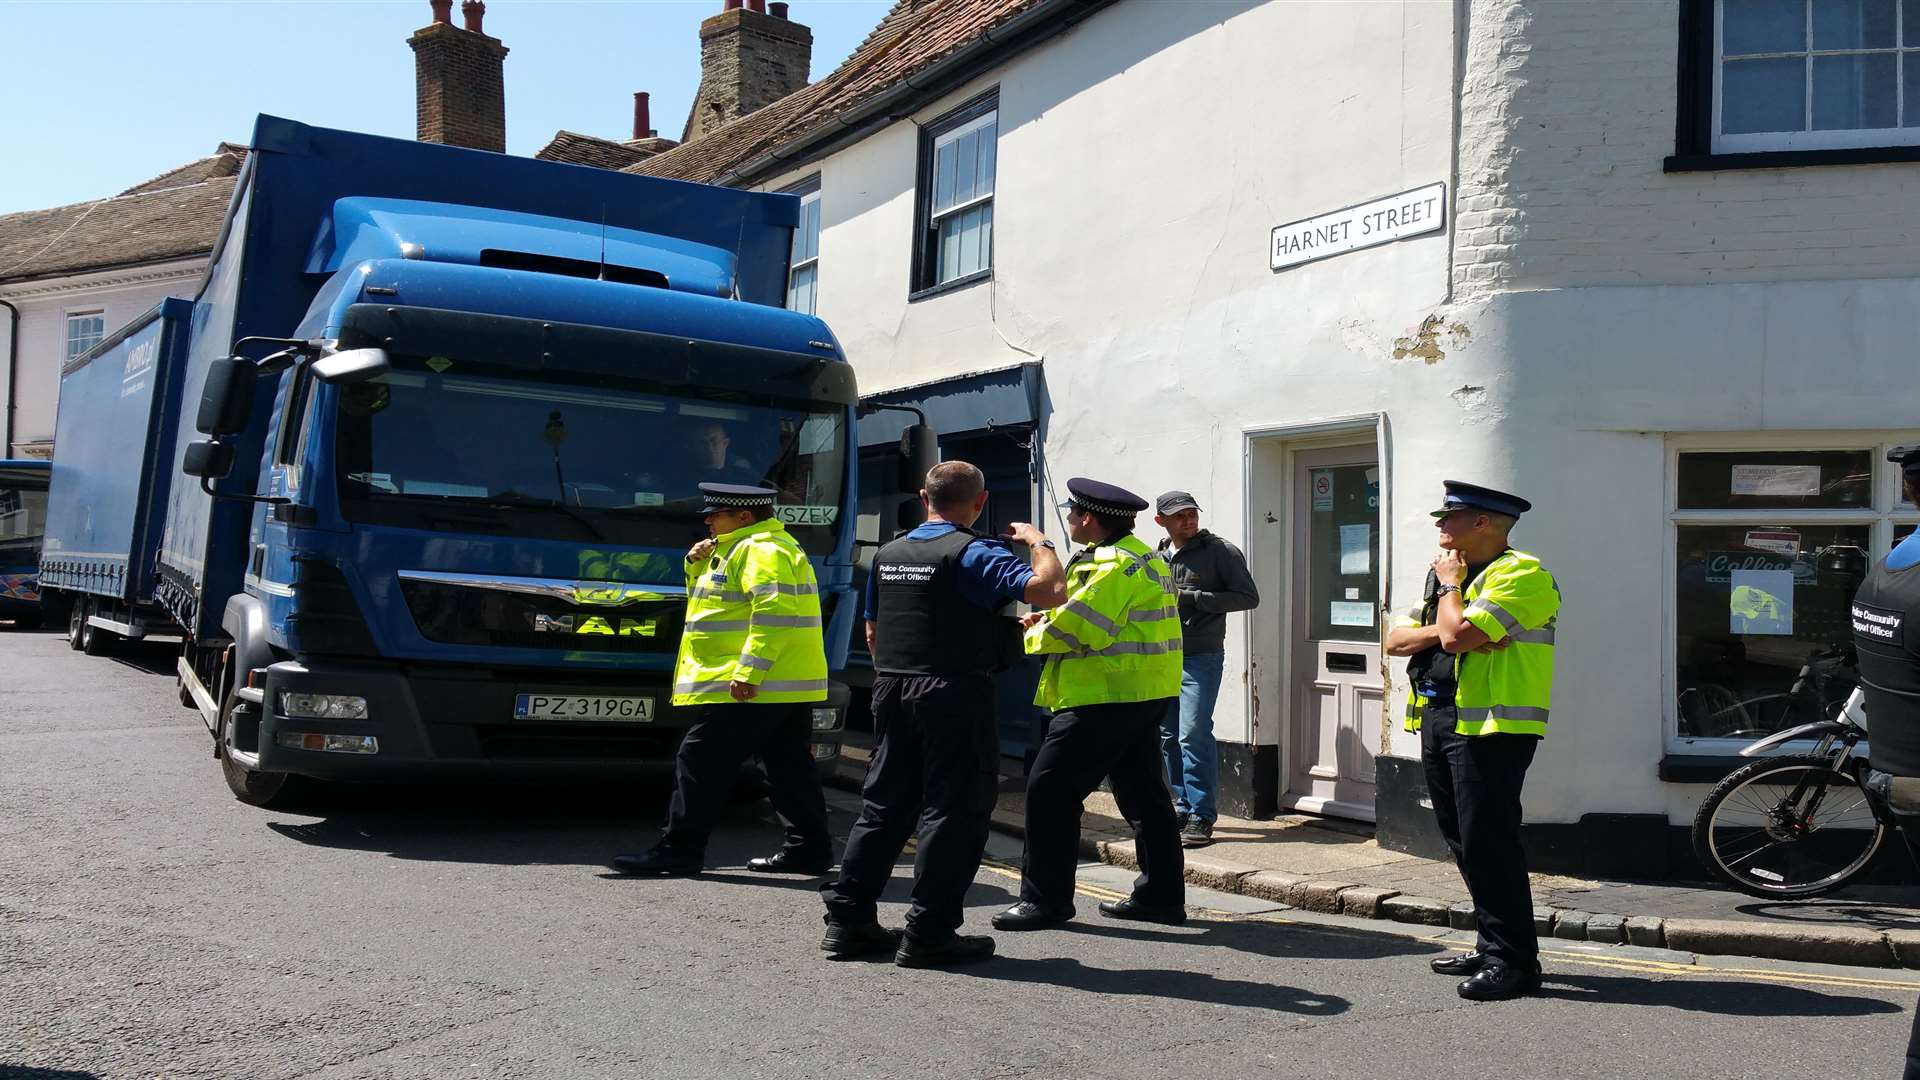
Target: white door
column 1334, row 733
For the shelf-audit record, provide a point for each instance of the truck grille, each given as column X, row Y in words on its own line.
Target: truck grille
column 459, row 614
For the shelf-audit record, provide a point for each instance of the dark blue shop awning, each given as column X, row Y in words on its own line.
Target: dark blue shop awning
column 1006, row 397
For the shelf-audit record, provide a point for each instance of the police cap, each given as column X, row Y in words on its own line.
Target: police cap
column 1462, row 496
column 736, row 497
column 1907, row 457
column 1107, row 499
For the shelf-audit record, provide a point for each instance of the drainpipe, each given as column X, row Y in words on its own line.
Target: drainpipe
column 13, row 373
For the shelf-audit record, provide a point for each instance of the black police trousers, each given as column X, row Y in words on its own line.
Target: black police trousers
column 935, row 773
column 1121, row 742
column 1894, row 791
column 707, row 768
column 1474, row 782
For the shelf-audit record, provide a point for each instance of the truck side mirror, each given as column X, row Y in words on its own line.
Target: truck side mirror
column 207, row 459
column 919, row 453
column 226, row 401
column 352, row 366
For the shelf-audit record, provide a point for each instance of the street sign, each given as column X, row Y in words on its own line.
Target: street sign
column 1364, row 225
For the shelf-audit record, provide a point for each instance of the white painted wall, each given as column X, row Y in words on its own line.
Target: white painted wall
column 44, row 306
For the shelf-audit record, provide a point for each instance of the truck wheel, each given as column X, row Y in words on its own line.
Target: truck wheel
column 252, row 786
column 76, row 623
column 93, row 640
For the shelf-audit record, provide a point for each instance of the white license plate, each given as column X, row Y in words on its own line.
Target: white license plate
column 582, row 707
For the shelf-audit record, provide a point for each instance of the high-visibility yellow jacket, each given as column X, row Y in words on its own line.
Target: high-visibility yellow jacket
column 1117, row 638
column 1508, row 691
column 753, row 616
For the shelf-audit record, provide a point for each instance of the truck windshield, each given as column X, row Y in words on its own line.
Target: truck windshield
column 430, row 447
column 23, row 521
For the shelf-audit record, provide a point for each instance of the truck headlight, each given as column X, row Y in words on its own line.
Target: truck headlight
column 338, row 744
column 323, row 706
column 824, row 751
column 826, row 719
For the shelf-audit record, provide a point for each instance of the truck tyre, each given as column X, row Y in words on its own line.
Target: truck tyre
column 76, row 622
column 93, row 640
column 255, row 787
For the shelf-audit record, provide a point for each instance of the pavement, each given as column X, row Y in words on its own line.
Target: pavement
column 152, row 927
column 1336, row 867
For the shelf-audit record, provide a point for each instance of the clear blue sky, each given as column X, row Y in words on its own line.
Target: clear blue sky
column 98, row 96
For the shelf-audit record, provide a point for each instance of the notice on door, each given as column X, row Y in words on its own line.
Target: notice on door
column 1322, row 480
column 1346, row 613
column 1356, row 549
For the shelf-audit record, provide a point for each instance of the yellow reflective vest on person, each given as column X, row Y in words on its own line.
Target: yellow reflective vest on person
column 1117, row 638
column 753, row 615
column 1506, row 691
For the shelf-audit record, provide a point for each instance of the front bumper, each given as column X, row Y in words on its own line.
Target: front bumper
column 460, row 720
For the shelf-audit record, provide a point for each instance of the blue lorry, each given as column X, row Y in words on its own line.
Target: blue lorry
column 412, row 476
column 23, row 521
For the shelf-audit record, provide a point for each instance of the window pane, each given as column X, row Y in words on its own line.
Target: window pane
column 1851, row 92
column 967, row 158
column 1853, row 24
column 1763, row 26
column 1787, row 480
column 1755, row 605
column 970, row 241
column 1910, row 22
column 949, row 249
column 813, row 229
column 800, row 290
column 1901, row 532
column 986, row 236
column 1763, row 95
column 988, row 140
column 943, row 175
column 1911, row 115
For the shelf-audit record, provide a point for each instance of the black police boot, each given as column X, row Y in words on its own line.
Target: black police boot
column 955, row 949
column 1130, row 908
column 1027, row 915
column 659, row 861
column 789, row 861
column 1499, row 982
column 846, row 942
column 1465, row 964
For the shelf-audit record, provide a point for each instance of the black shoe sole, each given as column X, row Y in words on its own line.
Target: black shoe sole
column 859, row 950
column 1529, row 987
column 1159, row 918
column 798, row 871
column 1047, row 923
column 1466, row 972
column 664, row 872
column 940, row 959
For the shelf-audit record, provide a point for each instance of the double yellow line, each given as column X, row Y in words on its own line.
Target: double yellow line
column 1610, row 963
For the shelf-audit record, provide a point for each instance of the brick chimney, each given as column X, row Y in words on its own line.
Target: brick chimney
column 459, row 80
column 749, row 59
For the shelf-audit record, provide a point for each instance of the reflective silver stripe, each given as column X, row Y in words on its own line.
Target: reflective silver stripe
column 772, row 588
column 771, row 686
column 1506, row 619
column 1065, row 638
column 1080, row 608
column 748, row 660
column 1501, row 712
column 718, row 626
column 801, row 622
column 704, row 592
column 1146, row 563
column 1170, row 612
column 1542, row 636
column 1130, row 648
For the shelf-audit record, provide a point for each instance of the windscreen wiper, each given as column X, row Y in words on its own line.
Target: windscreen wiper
column 515, row 501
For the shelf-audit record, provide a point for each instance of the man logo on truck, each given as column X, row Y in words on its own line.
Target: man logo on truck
column 594, row 624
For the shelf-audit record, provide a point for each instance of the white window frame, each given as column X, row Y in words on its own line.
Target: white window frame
column 66, row 341
column 1859, row 138
column 809, row 192
column 936, row 216
column 1883, row 516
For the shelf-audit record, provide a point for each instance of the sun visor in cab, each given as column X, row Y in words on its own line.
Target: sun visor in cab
column 668, row 362
column 363, row 228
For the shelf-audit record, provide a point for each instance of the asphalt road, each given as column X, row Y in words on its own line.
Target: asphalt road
column 151, row 926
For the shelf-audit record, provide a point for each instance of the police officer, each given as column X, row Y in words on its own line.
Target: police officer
column 751, row 659
column 1481, row 668
column 935, row 640
column 1112, row 671
column 1889, row 651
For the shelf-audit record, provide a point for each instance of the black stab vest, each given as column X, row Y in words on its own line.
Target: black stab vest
column 925, row 626
column 1886, row 632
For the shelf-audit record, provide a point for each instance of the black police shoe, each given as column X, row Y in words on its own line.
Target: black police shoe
column 790, row 862
column 1027, row 915
column 956, row 949
column 1498, row 982
column 1165, row 914
column 1465, row 964
column 659, row 862
column 1196, row 833
column 846, row 942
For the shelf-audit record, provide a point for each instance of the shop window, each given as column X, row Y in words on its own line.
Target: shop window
column 1770, row 547
column 958, row 162
column 85, row 329
column 803, row 266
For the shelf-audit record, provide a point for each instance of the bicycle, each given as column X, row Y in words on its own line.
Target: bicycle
column 1798, row 825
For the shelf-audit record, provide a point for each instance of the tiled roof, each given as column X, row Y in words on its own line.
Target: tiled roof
column 915, row 35
column 173, row 222
column 577, row 149
column 225, row 160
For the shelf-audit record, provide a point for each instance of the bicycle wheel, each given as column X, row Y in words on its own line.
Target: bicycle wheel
column 1787, row 827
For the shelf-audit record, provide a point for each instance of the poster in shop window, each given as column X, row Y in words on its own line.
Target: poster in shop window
column 1776, row 481
column 1760, row 604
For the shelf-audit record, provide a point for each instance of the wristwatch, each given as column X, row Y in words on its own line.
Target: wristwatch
column 1049, row 545
column 1445, row 589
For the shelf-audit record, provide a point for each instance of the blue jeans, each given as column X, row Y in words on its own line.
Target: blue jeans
column 1186, row 736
